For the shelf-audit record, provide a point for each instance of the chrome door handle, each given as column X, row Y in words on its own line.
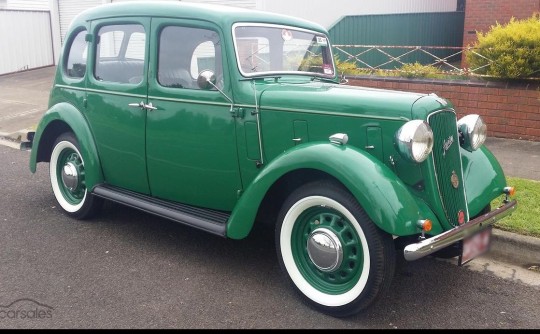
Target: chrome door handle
column 143, row 106
column 149, row 106
column 137, row 105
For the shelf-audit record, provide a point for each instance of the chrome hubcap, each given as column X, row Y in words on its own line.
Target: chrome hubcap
column 70, row 176
column 325, row 250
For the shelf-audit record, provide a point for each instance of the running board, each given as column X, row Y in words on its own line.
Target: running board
column 212, row 221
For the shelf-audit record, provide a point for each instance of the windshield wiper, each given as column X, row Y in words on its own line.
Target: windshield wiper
column 262, row 76
column 323, row 79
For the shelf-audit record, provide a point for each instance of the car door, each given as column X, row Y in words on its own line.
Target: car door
column 116, row 99
column 191, row 136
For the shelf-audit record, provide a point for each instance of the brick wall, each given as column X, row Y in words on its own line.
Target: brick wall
column 480, row 15
column 511, row 110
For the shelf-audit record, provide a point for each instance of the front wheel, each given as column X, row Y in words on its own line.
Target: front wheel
column 330, row 250
column 67, row 174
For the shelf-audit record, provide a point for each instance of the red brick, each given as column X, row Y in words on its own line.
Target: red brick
column 497, row 98
column 533, row 101
column 515, row 99
column 531, row 109
column 519, row 115
column 529, row 93
column 479, row 97
column 533, row 132
column 491, row 105
column 497, row 128
column 522, row 122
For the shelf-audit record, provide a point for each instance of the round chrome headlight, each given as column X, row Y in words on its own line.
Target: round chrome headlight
column 473, row 131
column 415, row 141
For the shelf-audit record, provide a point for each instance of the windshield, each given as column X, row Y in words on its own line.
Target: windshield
column 271, row 49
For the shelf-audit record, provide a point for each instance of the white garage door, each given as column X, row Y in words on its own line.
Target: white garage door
column 25, row 40
column 68, row 9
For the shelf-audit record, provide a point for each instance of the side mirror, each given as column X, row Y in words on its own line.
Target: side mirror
column 206, row 80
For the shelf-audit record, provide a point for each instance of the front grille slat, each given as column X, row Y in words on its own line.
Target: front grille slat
column 447, row 160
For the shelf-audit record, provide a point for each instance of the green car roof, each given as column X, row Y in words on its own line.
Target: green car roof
column 224, row 16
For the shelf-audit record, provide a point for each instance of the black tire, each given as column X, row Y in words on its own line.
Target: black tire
column 323, row 213
column 70, row 190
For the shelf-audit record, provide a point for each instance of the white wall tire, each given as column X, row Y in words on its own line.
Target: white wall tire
column 366, row 254
column 75, row 201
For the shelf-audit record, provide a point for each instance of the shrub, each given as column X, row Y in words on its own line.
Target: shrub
column 350, row 67
column 514, row 49
column 347, row 67
column 418, row 70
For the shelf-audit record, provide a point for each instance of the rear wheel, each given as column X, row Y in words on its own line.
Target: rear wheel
column 330, row 250
column 68, row 179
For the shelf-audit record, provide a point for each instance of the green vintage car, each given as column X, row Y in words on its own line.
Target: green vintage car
column 222, row 118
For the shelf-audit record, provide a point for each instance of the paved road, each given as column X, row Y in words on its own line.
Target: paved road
column 518, row 158
column 127, row 269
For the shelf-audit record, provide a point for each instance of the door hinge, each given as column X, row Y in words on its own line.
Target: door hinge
column 238, row 112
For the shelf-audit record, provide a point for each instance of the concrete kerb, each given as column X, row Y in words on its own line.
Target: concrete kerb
column 516, row 249
column 13, row 139
column 520, row 250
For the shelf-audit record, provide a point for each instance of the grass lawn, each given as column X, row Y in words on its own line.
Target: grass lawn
column 526, row 219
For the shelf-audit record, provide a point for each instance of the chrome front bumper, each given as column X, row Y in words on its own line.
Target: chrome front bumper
column 427, row 246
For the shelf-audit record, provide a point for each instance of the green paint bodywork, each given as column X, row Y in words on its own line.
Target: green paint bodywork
column 385, row 198
column 67, row 114
column 198, row 149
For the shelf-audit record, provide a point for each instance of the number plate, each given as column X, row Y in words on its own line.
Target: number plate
column 475, row 245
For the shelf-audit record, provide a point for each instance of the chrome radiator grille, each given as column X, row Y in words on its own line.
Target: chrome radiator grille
column 447, row 163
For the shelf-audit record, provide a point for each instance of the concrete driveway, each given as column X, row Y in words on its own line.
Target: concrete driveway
column 23, row 100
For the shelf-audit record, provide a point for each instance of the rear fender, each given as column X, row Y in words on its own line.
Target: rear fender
column 60, row 118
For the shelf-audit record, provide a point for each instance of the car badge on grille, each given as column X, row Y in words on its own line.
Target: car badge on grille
column 447, row 144
column 454, row 179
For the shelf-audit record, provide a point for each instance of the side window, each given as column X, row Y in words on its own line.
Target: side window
column 120, row 53
column 184, row 52
column 76, row 59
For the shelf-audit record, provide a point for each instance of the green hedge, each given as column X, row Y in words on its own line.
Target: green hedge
column 514, row 49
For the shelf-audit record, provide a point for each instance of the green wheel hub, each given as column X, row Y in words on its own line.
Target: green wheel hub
column 327, row 250
column 70, row 176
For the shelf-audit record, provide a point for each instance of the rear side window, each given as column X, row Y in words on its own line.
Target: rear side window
column 120, row 53
column 76, row 59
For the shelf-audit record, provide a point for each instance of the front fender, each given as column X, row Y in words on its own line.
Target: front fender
column 384, row 197
column 484, row 178
column 60, row 118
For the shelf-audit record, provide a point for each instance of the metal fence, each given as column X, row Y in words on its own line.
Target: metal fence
column 444, row 60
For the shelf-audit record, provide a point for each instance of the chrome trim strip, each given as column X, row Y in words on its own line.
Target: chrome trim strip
column 258, row 118
column 428, row 246
column 304, row 111
column 238, row 105
column 169, row 99
column 101, row 91
column 70, row 87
